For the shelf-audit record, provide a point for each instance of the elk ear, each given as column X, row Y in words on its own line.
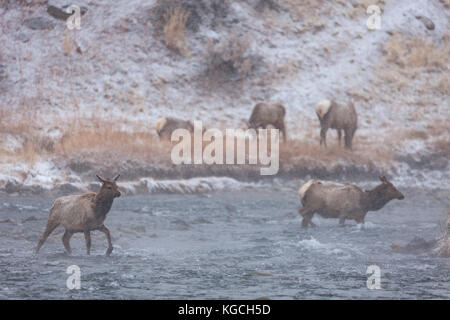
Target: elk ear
column 383, row 179
column 116, row 177
column 100, row 178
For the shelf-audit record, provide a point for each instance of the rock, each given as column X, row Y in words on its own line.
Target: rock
column 201, row 220
column 139, row 228
column 8, row 221
column 32, row 218
column 38, row 23
column 181, row 224
column 24, row 37
column 230, row 208
column 428, row 23
column 416, row 245
column 61, row 14
column 67, row 188
column 264, row 274
column 12, row 187
column 269, row 4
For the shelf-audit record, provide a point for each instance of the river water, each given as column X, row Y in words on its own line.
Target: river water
column 223, row 245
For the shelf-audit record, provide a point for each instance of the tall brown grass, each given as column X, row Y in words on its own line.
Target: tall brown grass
column 174, row 29
column 113, row 141
column 410, row 52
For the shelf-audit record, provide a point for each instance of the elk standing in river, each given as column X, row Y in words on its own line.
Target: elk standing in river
column 343, row 201
column 82, row 213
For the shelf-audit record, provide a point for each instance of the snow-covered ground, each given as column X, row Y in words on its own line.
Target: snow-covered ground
column 118, row 67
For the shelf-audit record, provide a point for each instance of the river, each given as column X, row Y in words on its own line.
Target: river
column 223, row 245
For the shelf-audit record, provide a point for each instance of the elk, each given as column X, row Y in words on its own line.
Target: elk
column 82, row 213
column 165, row 126
column 337, row 116
column 343, row 201
column 265, row 115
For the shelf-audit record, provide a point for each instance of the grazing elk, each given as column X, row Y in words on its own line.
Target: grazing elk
column 82, row 213
column 337, row 116
column 165, row 126
column 343, row 201
column 265, row 115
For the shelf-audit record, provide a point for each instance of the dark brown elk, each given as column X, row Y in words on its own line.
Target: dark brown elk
column 337, row 116
column 82, row 213
column 165, row 126
column 343, row 201
column 265, row 115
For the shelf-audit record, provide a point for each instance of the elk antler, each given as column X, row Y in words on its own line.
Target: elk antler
column 116, row 177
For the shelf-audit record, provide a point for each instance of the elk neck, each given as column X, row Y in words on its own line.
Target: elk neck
column 375, row 199
column 103, row 202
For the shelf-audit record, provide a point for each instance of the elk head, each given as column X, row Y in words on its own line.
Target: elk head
column 109, row 187
column 389, row 191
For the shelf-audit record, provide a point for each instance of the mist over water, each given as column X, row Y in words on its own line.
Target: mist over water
column 223, row 245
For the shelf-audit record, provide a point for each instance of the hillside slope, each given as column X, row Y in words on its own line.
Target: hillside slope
column 78, row 101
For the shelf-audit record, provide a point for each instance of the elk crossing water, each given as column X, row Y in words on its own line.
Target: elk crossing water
column 223, row 245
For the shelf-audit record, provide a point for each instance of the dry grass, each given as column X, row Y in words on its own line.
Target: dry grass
column 443, row 84
column 67, row 43
column 442, row 145
column 108, row 141
column 174, row 29
column 364, row 154
column 100, row 138
column 312, row 14
column 414, row 52
column 29, row 143
column 438, row 127
column 360, row 7
column 414, row 65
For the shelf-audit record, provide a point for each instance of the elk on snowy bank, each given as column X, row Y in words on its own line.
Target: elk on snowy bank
column 165, row 126
column 337, row 116
column 265, row 115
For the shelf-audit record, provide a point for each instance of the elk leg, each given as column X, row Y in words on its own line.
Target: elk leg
column 87, row 237
column 360, row 220
column 348, row 138
column 66, row 240
column 108, row 237
column 283, row 131
column 352, row 134
column 323, row 136
column 49, row 229
column 339, row 136
column 307, row 217
column 342, row 221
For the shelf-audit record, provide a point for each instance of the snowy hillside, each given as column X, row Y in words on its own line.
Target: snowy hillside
column 74, row 102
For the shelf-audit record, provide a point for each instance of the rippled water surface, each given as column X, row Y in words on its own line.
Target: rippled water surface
column 235, row 245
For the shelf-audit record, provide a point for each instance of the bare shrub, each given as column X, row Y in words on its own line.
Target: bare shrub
column 201, row 12
column 261, row 5
column 229, row 60
column 174, row 29
column 309, row 12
